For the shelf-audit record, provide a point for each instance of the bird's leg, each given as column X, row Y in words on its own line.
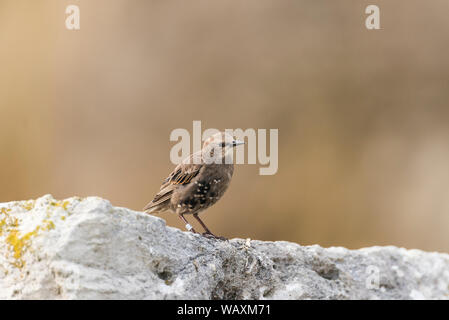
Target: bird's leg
column 207, row 234
column 188, row 226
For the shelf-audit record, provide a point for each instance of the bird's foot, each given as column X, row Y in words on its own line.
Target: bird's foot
column 210, row 235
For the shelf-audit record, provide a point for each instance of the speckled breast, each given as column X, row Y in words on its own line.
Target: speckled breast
column 205, row 190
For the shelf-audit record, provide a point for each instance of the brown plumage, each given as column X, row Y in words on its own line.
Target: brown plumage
column 198, row 182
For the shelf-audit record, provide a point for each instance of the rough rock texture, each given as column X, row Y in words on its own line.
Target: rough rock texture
column 86, row 248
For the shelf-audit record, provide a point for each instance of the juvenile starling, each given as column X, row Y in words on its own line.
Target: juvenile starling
column 198, row 182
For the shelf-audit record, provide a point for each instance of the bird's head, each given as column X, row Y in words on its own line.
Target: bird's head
column 219, row 146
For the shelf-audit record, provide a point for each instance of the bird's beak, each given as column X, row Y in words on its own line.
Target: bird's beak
column 237, row 143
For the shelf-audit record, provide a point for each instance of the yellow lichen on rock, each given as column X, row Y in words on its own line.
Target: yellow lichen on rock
column 3, row 217
column 28, row 205
column 18, row 244
column 63, row 204
column 18, row 235
column 49, row 225
column 2, row 224
column 60, row 204
column 10, row 231
column 7, row 221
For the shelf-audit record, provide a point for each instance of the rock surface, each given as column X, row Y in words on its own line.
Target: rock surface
column 88, row 249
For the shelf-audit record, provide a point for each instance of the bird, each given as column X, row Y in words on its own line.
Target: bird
column 198, row 182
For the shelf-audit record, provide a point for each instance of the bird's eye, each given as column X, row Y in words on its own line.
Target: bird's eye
column 223, row 144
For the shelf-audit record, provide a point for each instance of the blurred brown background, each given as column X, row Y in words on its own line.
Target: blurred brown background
column 362, row 115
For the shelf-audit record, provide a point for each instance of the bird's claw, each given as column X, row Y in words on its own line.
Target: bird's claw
column 210, row 235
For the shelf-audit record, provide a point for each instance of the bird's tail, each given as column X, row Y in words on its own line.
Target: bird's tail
column 153, row 209
column 160, row 203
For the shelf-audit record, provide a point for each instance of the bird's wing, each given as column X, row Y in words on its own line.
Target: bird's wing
column 181, row 175
column 184, row 172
